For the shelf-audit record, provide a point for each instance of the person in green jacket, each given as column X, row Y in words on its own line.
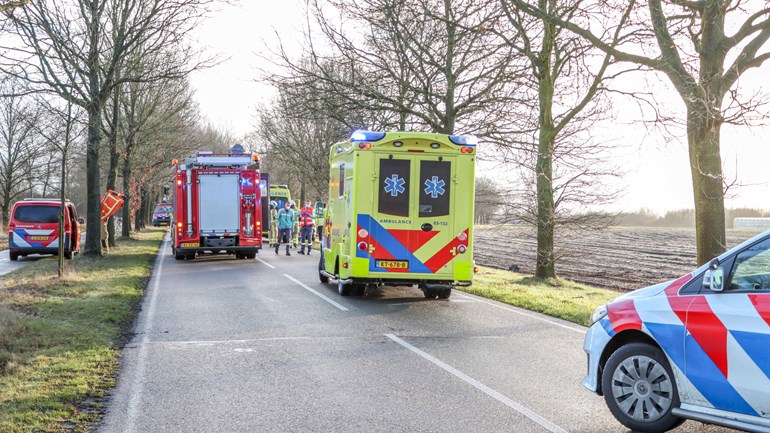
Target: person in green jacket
column 284, row 220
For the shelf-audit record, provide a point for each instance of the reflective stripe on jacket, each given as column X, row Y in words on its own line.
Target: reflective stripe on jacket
column 306, row 217
column 285, row 219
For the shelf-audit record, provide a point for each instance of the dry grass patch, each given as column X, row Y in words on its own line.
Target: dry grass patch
column 60, row 339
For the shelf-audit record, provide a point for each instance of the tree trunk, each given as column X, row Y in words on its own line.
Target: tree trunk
column 112, row 173
column 545, row 266
column 126, row 211
column 703, row 134
column 93, row 246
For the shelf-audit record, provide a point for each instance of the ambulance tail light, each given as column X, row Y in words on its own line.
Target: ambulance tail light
column 466, row 150
column 365, row 145
column 345, row 265
column 363, row 246
column 416, row 150
column 475, row 269
column 362, row 135
column 462, row 249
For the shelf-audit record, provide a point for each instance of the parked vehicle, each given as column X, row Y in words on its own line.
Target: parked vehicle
column 217, row 205
column 161, row 215
column 694, row 348
column 400, row 212
column 34, row 228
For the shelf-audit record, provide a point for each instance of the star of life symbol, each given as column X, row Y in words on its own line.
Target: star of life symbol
column 435, row 187
column 394, row 185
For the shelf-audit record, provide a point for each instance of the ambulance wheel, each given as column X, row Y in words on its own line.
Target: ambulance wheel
column 14, row 256
column 324, row 279
column 68, row 255
column 444, row 293
column 429, row 293
column 637, row 376
column 344, row 289
column 359, row 289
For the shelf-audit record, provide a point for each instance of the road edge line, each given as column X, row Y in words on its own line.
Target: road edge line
column 526, row 313
column 315, row 292
column 265, row 263
column 548, row 425
column 135, row 395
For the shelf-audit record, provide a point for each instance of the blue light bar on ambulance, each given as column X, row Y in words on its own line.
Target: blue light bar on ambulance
column 464, row 140
column 362, row 135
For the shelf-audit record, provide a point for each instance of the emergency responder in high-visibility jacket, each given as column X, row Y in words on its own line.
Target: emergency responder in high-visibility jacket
column 306, row 227
column 285, row 222
column 273, row 235
column 295, row 229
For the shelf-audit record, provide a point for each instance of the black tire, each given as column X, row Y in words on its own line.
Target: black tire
column 654, row 388
column 190, row 256
column 344, row 289
column 429, row 293
column 359, row 289
column 444, row 293
column 13, row 256
column 68, row 255
column 321, row 267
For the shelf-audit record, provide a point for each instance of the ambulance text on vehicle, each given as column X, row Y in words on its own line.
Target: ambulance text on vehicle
column 217, row 205
column 400, row 212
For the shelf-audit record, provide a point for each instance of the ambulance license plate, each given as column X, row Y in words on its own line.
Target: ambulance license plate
column 38, row 238
column 190, row 244
column 393, row 264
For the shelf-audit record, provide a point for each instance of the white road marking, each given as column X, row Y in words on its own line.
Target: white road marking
column 216, row 342
column 135, row 395
column 548, row 425
column 266, row 263
column 530, row 315
column 311, row 290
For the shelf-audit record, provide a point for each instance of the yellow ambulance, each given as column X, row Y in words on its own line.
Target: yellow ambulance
column 400, row 212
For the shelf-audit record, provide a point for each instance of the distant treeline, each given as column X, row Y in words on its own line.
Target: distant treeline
column 683, row 217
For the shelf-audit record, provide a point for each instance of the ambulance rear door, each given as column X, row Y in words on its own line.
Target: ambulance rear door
column 411, row 223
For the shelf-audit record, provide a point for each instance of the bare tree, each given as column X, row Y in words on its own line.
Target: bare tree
column 19, row 146
column 563, row 99
column 691, row 43
column 76, row 50
column 416, row 64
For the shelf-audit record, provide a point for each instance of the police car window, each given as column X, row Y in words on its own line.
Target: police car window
column 394, row 187
column 751, row 271
column 37, row 214
column 434, row 188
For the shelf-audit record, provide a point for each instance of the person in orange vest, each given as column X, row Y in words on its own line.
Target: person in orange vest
column 306, row 227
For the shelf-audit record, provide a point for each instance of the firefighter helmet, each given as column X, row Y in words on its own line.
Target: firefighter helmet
column 292, row 204
column 273, row 204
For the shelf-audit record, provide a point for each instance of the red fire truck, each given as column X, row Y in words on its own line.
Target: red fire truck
column 217, row 205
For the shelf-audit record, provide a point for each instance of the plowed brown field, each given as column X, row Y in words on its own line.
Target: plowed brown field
column 619, row 258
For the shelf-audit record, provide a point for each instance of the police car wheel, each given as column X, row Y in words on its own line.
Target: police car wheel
column 640, row 389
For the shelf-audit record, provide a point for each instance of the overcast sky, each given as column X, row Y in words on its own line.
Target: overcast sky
column 656, row 172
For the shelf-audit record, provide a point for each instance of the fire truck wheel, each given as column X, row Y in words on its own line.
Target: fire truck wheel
column 190, row 256
column 324, row 279
column 68, row 255
column 344, row 289
column 14, row 256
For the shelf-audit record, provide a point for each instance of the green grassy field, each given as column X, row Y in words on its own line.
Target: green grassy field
column 558, row 298
column 60, row 340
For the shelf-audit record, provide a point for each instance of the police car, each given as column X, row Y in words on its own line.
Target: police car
column 694, row 348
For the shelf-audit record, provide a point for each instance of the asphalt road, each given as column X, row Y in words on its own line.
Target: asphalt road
column 226, row 345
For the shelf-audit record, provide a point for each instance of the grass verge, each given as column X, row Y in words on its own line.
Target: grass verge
column 555, row 297
column 60, row 339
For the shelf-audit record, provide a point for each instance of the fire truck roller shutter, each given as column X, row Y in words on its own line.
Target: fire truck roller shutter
column 219, row 206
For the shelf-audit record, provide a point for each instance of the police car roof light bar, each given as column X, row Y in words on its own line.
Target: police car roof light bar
column 464, row 140
column 362, row 135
